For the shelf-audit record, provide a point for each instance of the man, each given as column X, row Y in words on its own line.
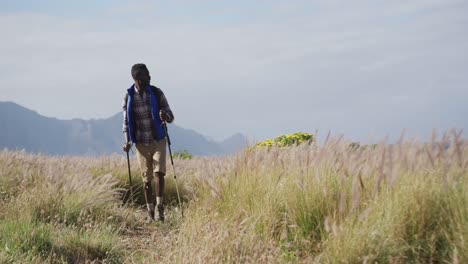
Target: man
column 145, row 109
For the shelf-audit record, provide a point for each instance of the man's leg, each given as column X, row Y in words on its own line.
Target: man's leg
column 159, row 173
column 159, row 195
column 159, row 187
column 145, row 159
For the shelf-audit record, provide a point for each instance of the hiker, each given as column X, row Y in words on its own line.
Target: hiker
column 145, row 108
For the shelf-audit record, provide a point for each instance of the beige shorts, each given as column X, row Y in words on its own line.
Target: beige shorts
column 152, row 159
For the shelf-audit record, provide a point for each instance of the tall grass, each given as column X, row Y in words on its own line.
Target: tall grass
column 390, row 203
column 55, row 208
column 328, row 203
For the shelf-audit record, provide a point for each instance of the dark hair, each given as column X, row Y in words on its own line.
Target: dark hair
column 139, row 70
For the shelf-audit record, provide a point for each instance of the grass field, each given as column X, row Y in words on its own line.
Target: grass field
column 327, row 203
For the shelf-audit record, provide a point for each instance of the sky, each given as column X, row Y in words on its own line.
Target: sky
column 365, row 69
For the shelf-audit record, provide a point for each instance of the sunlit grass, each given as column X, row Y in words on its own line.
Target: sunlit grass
column 329, row 203
column 399, row 203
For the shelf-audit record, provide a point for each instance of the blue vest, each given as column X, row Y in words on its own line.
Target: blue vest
column 159, row 132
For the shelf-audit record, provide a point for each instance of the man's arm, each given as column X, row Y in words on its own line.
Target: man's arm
column 165, row 107
column 125, row 119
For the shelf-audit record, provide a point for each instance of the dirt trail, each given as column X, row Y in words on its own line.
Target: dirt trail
column 148, row 242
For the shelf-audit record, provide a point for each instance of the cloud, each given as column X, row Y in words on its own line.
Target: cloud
column 350, row 67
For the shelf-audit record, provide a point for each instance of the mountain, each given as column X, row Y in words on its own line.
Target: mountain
column 21, row 128
column 235, row 143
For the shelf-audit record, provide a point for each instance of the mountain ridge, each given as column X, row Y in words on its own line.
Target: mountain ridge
column 23, row 128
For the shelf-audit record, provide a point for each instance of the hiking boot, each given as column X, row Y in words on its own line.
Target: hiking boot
column 150, row 216
column 161, row 212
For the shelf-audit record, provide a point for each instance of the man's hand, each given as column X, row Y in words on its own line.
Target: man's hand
column 127, row 146
column 162, row 116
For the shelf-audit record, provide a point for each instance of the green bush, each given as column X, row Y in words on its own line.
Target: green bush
column 182, row 154
column 286, row 140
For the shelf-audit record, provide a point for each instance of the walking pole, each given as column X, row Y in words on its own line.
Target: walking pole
column 173, row 169
column 130, row 178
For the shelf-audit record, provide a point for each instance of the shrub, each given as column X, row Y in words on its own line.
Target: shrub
column 182, row 154
column 286, row 140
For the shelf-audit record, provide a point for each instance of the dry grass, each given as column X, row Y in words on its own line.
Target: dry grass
column 330, row 203
column 405, row 202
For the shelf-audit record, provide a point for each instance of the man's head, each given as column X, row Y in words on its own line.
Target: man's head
column 141, row 74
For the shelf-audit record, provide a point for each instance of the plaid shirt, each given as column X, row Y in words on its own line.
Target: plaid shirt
column 144, row 127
